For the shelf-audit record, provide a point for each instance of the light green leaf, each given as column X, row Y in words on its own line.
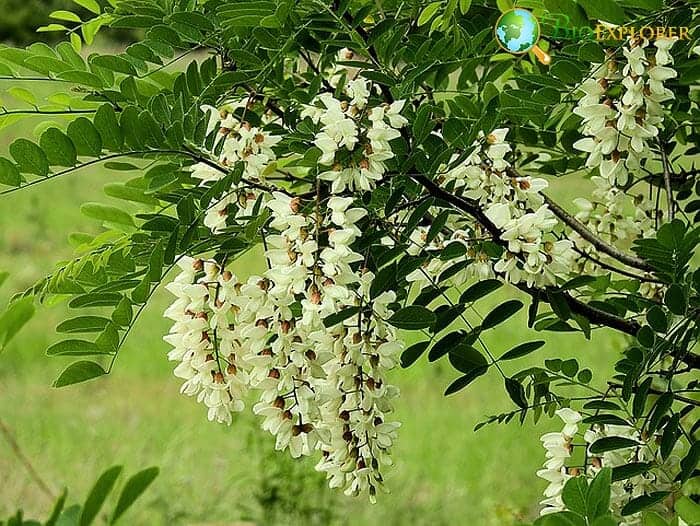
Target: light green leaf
column 428, row 13
column 14, row 318
column 22, row 94
column 90, row 5
column 107, row 213
column 65, row 15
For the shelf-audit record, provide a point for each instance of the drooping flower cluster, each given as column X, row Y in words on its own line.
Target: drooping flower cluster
column 559, row 447
column 354, row 138
column 321, row 384
column 622, row 108
column 515, row 205
column 204, row 339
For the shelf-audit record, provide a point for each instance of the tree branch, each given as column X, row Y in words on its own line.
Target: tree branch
column 598, row 243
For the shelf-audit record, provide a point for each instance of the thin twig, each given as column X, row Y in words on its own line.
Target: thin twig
column 17, row 450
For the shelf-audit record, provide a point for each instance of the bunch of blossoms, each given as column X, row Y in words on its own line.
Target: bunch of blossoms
column 559, row 448
column 241, row 142
column 320, row 388
column 204, row 338
column 622, row 108
column 514, row 204
column 354, row 138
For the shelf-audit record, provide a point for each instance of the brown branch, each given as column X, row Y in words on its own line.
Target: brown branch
column 17, row 450
column 598, row 243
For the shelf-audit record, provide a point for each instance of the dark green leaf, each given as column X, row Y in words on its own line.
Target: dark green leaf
column 479, row 290
column 575, row 494
column 413, row 317
column 30, row 158
column 79, row 372
column 612, row 443
column 410, row 355
column 501, row 313
column 642, row 502
column 9, row 173
column 85, row 137
column 74, row 348
column 83, row 324
column 98, row 494
column 516, row 391
column 133, row 489
column 522, row 350
column 463, row 381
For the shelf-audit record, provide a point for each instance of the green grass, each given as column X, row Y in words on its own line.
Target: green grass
column 445, row 473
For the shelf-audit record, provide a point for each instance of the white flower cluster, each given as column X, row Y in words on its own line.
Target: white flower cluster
column 622, row 108
column 516, row 206
column 354, row 138
column 241, row 142
column 204, row 344
column 559, row 449
column 321, row 388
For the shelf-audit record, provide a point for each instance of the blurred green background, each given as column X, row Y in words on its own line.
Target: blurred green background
column 215, row 475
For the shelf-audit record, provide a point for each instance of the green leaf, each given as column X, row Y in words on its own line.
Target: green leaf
column 598, row 498
column 74, row 348
column 663, row 404
column 90, row 5
column 413, row 317
column 464, row 6
column 675, row 299
column 688, row 510
column 463, row 381
column 123, row 314
column 522, row 350
column 114, row 63
column 501, row 313
column 651, row 518
column 630, row 470
column 479, row 290
column 107, row 213
column 22, row 94
column 83, row 324
column 428, row 13
column 95, row 299
column 644, row 501
column 612, row 443
column 98, row 494
column 79, row 372
column 689, row 462
column 575, row 494
column 607, row 10
column 85, row 137
column 411, row 354
column 30, row 158
column 562, row 518
column 516, row 391
column 466, row 358
column 14, row 318
column 66, row 16
column 58, row 147
column 9, row 173
column 105, row 121
column 340, row 317
column 133, row 489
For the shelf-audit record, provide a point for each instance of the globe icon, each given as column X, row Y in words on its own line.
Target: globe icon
column 517, row 31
